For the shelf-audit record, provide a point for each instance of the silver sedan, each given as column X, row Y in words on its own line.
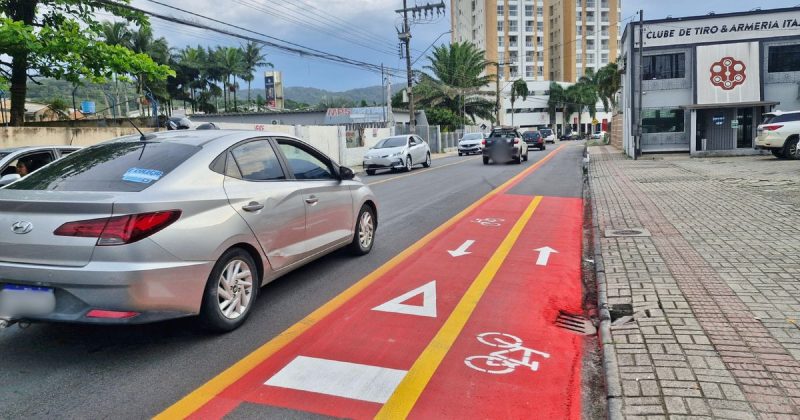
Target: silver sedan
column 174, row 224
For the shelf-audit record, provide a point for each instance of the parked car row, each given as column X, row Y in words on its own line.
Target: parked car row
column 159, row 226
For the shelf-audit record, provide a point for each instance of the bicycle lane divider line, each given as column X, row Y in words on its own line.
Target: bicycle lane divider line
column 353, row 359
column 523, row 301
column 203, row 394
column 415, row 381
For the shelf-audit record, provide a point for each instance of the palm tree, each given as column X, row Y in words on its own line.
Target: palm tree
column 253, row 58
column 117, row 33
column 608, row 82
column 587, row 97
column 518, row 89
column 555, row 101
column 231, row 62
column 143, row 42
column 456, row 82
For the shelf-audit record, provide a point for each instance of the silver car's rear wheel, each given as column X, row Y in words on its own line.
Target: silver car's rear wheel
column 231, row 291
column 235, row 289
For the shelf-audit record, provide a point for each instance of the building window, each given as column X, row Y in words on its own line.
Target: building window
column 539, row 11
column 500, row 41
column 541, row 73
column 529, row 41
column 499, row 25
column 512, row 26
column 528, row 71
column 662, row 120
column 604, row 58
column 500, row 10
column 512, row 10
column 528, row 10
column 528, row 56
column 528, row 26
column 784, row 58
column 512, row 41
column 664, row 66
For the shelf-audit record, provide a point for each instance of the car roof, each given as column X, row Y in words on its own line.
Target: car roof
column 778, row 112
column 202, row 137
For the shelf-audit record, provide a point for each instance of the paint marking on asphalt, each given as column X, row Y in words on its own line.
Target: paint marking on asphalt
column 340, row 379
column 203, row 394
column 428, row 307
column 412, row 173
column 409, row 390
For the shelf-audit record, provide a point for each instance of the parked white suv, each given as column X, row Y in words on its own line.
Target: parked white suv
column 780, row 133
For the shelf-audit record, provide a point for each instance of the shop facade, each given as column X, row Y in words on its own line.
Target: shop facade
column 706, row 81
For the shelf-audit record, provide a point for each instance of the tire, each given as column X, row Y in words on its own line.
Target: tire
column 364, row 237
column 791, row 150
column 525, row 157
column 427, row 163
column 485, row 160
column 409, row 164
column 460, row 154
column 233, row 263
column 370, row 172
column 778, row 153
column 518, row 159
column 543, row 147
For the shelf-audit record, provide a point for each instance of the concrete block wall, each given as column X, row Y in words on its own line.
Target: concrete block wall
column 617, row 123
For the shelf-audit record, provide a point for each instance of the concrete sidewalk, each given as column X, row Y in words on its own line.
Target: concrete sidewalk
column 714, row 290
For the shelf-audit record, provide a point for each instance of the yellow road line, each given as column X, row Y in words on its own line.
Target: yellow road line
column 405, row 396
column 199, row 397
column 420, row 172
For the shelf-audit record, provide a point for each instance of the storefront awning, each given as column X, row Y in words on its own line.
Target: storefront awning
column 731, row 105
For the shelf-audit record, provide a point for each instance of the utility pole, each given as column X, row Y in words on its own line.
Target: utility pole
column 497, row 93
column 383, row 91
column 405, row 38
column 637, row 151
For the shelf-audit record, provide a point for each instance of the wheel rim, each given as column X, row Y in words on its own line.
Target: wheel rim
column 366, row 230
column 794, row 150
column 408, row 163
column 235, row 289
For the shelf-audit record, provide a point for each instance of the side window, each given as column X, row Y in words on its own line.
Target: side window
column 65, row 152
column 30, row 162
column 255, row 161
column 412, row 141
column 303, row 164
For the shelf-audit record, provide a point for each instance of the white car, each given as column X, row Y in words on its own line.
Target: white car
column 548, row 134
column 398, row 152
column 779, row 133
column 471, row 143
column 599, row 135
column 19, row 161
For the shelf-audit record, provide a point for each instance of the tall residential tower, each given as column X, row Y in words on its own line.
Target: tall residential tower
column 554, row 40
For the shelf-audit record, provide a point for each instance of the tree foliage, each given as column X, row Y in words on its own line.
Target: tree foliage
column 61, row 39
column 519, row 89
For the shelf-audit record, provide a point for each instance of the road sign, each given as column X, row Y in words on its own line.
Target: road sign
column 595, row 122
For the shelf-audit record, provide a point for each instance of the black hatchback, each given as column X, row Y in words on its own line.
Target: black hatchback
column 534, row 139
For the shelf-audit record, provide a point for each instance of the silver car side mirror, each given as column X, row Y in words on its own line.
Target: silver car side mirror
column 7, row 179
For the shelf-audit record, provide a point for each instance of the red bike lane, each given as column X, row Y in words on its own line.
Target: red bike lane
column 350, row 362
column 511, row 360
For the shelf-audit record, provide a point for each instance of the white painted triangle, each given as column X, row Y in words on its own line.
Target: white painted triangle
column 428, row 307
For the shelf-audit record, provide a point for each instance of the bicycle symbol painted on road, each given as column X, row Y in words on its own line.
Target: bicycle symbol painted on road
column 504, row 361
column 489, row 221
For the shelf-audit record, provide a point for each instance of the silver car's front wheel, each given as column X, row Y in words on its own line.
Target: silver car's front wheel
column 231, row 291
column 235, row 289
column 364, row 237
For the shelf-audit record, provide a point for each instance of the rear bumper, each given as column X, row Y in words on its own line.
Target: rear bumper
column 770, row 142
column 157, row 291
column 502, row 155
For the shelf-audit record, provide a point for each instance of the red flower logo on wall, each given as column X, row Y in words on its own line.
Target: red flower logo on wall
column 728, row 73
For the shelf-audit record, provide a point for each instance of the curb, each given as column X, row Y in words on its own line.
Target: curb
column 609, row 351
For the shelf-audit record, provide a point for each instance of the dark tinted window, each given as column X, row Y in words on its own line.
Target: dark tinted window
column 4, row 154
column 531, row 135
column 664, row 66
column 305, row 165
column 783, row 58
column 392, row 142
column 782, row 118
column 546, row 132
column 504, row 133
column 256, row 161
column 119, row 166
column 662, row 120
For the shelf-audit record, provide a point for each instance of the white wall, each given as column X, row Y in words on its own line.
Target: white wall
column 58, row 136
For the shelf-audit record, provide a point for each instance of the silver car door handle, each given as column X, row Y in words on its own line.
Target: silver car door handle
column 312, row 200
column 253, row 206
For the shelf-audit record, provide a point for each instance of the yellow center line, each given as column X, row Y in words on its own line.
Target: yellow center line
column 405, row 396
column 202, row 395
column 420, row 172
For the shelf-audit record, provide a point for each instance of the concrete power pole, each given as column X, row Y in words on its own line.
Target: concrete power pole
column 405, row 38
column 637, row 150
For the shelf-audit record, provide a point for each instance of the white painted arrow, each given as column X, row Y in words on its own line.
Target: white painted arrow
column 462, row 250
column 544, row 255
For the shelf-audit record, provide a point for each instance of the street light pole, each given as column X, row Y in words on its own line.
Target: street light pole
column 637, row 149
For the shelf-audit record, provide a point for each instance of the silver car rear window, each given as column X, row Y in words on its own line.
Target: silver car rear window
column 109, row 167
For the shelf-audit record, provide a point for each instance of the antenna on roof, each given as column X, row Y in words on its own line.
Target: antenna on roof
column 143, row 137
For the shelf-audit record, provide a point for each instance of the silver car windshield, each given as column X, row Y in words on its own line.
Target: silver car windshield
column 391, row 142
column 473, row 136
column 109, row 167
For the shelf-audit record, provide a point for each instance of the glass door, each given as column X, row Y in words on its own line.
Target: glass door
column 744, row 128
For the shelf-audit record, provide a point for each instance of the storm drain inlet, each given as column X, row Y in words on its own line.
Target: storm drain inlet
column 629, row 232
column 577, row 324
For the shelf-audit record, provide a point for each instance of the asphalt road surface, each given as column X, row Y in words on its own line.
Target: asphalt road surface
column 77, row 371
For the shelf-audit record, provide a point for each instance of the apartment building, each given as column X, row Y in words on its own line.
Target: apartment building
column 536, row 40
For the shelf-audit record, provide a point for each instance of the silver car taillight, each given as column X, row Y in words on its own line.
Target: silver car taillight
column 120, row 230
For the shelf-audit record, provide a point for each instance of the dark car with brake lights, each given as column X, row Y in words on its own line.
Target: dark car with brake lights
column 504, row 144
column 534, row 139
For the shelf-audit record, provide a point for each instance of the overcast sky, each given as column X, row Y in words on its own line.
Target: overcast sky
column 362, row 30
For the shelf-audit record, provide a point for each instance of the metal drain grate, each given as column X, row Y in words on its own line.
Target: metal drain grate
column 575, row 323
column 630, row 232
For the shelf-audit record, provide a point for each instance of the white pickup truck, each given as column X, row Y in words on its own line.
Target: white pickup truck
column 780, row 133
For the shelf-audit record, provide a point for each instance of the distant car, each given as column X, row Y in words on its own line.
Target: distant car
column 179, row 123
column 28, row 159
column 471, row 143
column 534, row 139
column 179, row 224
column 780, row 133
column 505, row 144
column 599, row 135
column 548, row 134
column 570, row 136
column 398, row 152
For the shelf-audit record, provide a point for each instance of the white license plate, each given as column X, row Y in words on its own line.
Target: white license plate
column 20, row 301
